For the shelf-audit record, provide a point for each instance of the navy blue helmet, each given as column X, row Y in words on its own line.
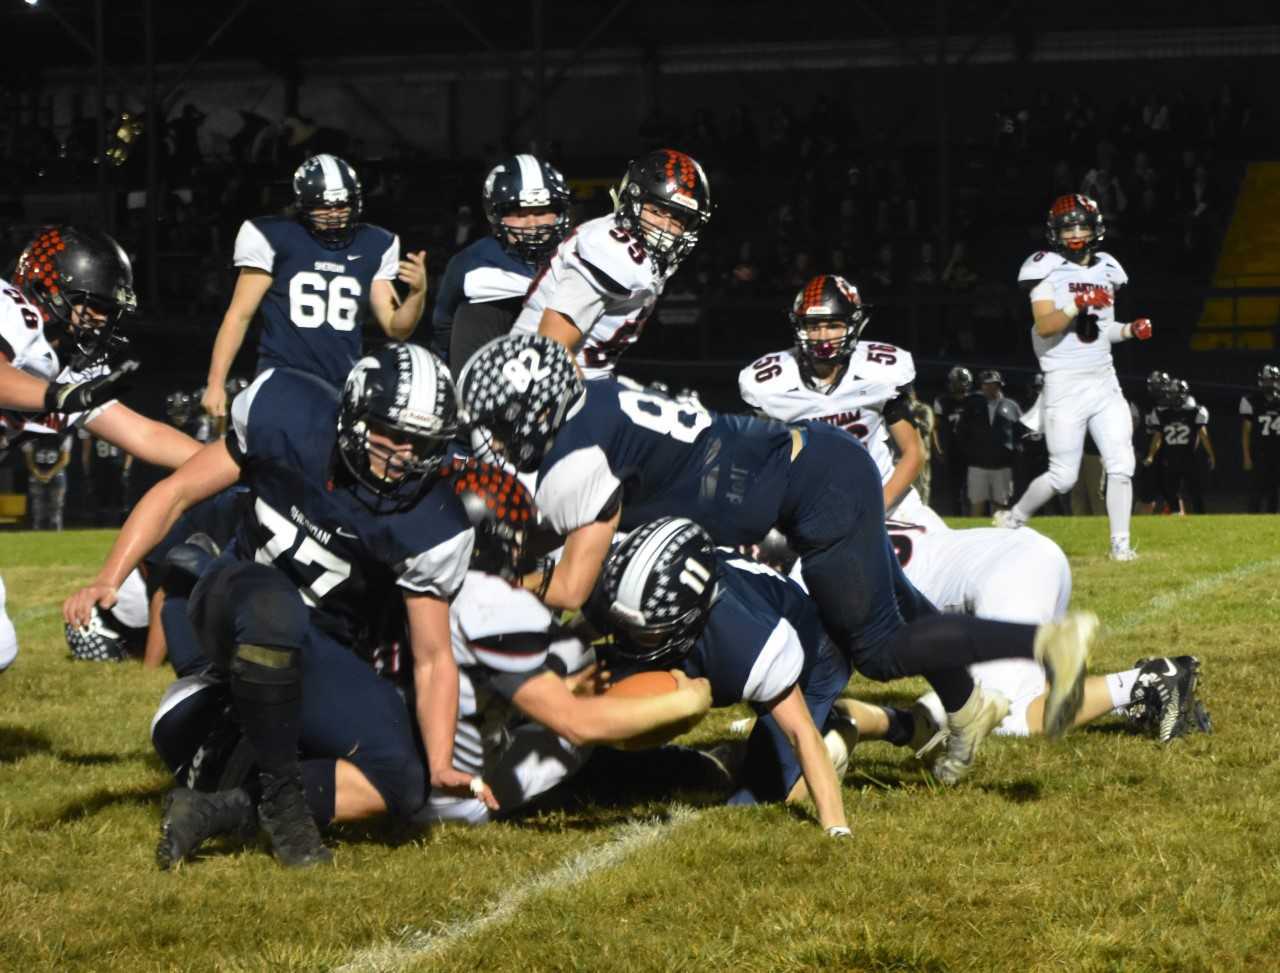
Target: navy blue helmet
column 523, row 183
column 323, row 183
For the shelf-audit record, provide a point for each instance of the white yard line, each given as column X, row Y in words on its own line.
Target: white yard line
column 1161, row 604
column 416, row 944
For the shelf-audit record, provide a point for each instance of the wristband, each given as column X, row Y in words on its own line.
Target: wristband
column 838, row 831
column 477, row 786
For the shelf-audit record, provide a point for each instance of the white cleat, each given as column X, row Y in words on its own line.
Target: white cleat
column 929, row 733
column 1123, row 552
column 967, row 728
column 840, row 739
column 1062, row 647
column 1006, row 519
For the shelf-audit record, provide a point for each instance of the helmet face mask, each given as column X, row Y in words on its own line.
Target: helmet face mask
column 399, row 413
column 82, row 282
column 1157, row 383
column 1174, row 392
column 656, row 591
column 1074, row 228
column 959, row 381
column 526, row 202
column 329, row 199
column 664, row 200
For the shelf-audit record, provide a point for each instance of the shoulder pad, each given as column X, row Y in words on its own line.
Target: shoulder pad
column 1040, row 264
column 1114, row 271
column 608, row 255
column 775, row 372
column 878, row 361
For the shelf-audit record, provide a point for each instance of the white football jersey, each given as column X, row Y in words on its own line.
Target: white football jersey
column 604, row 282
column 774, row 386
column 23, row 343
column 1059, row 280
column 485, row 609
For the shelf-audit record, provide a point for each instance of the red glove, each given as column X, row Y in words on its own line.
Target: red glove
column 1093, row 297
column 1141, row 328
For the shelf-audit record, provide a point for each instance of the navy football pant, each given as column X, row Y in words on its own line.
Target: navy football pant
column 833, row 515
column 348, row 711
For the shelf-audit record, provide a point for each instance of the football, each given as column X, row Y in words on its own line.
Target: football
column 644, row 684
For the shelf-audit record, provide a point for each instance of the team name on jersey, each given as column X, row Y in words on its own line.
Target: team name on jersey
column 331, row 267
column 299, row 518
column 842, row 419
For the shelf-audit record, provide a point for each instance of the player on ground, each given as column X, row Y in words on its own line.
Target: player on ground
column 1260, row 411
column 831, row 376
column 71, row 289
column 604, row 279
column 669, row 598
column 347, row 501
column 318, row 276
column 1073, row 287
column 526, row 201
column 1179, row 426
column 609, row 455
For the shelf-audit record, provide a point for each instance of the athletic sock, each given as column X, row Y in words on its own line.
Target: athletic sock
column 1119, row 507
column 1120, row 685
column 902, row 726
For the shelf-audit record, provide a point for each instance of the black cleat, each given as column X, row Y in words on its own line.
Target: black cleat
column 1164, row 701
column 284, row 815
column 190, row 818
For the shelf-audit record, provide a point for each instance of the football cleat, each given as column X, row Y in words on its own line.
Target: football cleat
column 1062, row 647
column 1006, row 519
column 284, row 815
column 191, row 817
column 967, row 728
column 1123, row 552
column 1164, row 701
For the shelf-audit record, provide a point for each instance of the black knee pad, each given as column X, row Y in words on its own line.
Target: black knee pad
column 266, row 673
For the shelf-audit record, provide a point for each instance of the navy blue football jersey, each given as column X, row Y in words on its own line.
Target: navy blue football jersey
column 314, row 314
column 1179, row 428
column 480, row 273
column 323, row 536
column 217, row 517
column 667, row 456
column 763, row 635
column 1264, row 412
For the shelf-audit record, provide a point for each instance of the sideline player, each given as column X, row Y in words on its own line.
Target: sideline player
column 318, row 276
column 347, row 500
column 526, row 201
column 71, row 289
column 1072, row 287
column 608, row 455
column 604, row 279
column 1179, row 426
column 1260, row 411
column 832, row 376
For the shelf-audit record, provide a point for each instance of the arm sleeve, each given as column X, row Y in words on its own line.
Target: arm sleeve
column 580, row 300
column 1246, row 407
column 253, row 249
column 577, row 489
column 897, row 409
column 777, row 667
column 440, row 570
column 390, row 265
column 1042, row 291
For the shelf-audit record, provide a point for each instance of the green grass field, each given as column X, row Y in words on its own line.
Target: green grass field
column 1102, row 851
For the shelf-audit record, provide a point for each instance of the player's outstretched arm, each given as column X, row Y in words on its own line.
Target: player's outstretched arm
column 1157, row 441
column 397, row 318
column 435, row 680
column 575, row 575
column 587, row 720
column 209, row 471
column 157, row 443
column 251, row 287
column 1207, row 443
column 794, row 720
column 20, row 391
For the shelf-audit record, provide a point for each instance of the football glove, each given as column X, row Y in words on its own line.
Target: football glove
column 83, row 396
column 1141, row 328
column 1092, row 298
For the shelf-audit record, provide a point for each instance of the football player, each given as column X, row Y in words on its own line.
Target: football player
column 610, row 455
column 47, row 458
column 948, row 409
column 1261, row 451
column 1148, row 487
column 526, row 201
column 669, row 598
column 348, row 499
column 831, row 376
column 71, row 289
column 1072, row 286
column 1180, row 426
column 604, row 279
column 319, row 276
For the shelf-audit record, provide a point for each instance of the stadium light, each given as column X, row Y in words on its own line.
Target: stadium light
column 30, row 3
